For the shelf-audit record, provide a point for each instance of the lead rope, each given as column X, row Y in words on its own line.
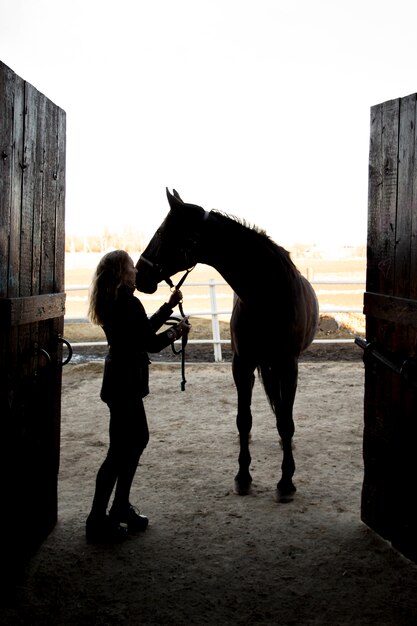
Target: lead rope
column 172, row 321
column 184, row 338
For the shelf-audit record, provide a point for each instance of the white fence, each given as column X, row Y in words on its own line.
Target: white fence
column 216, row 290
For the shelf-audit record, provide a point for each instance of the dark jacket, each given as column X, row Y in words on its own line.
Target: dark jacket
column 131, row 335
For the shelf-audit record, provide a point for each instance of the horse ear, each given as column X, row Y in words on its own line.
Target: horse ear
column 174, row 200
column 177, row 195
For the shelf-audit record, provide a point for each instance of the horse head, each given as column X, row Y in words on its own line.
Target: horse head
column 174, row 247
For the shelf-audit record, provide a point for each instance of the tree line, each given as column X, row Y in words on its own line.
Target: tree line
column 128, row 239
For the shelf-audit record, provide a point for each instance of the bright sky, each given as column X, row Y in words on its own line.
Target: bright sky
column 259, row 108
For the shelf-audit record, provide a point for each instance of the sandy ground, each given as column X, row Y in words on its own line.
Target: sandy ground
column 210, row 556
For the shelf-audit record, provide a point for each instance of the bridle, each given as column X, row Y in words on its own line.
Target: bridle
column 193, row 243
column 165, row 276
column 173, row 320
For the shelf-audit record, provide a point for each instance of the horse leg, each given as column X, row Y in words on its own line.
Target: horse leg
column 282, row 397
column 244, row 380
column 285, row 426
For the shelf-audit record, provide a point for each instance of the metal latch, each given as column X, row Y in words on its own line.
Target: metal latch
column 407, row 369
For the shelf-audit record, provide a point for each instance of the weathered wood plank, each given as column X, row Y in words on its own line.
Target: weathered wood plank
column 28, row 195
column 390, row 308
column 11, row 138
column 375, row 189
column 18, row 165
column 7, row 82
column 60, row 203
column 413, row 225
column 47, row 274
column 29, row 309
column 38, row 197
column 405, row 197
column 383, row 158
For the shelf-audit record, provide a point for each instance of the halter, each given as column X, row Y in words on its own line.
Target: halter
column 159, row 269
column 167, row 279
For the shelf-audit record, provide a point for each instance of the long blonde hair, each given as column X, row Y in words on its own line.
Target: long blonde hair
column 109, row 276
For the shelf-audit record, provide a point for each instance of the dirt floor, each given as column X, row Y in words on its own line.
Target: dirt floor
column 210, row 556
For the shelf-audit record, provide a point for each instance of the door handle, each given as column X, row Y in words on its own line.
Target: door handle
column 69, row 348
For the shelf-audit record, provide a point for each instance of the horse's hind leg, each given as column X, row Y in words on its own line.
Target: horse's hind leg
column 244, row 378
column 285, row 426
column 281, row 387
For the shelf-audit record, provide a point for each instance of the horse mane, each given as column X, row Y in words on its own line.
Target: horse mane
column 253, row 231
column 241, row 222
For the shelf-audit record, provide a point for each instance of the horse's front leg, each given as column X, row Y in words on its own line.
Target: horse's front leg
column 244, row 380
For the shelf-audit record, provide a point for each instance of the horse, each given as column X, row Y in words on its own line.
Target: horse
column 274, row 317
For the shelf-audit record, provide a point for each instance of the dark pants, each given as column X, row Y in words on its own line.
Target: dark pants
column 129, row 436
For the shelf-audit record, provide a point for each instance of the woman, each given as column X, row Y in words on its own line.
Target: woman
column 130, row 336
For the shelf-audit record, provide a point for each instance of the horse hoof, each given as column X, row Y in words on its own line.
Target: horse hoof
column 282, row 498
column 242, row 489
column 285, row 494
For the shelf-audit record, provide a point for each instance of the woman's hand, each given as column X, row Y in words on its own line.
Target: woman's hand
column 176, row 296
column 179, row 330
column 183, row 327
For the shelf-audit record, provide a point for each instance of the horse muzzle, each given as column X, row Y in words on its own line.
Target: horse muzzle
column 147, row 278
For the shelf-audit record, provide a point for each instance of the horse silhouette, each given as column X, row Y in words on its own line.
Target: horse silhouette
column 274, row 318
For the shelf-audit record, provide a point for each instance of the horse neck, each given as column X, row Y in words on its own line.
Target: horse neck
column 242, row 258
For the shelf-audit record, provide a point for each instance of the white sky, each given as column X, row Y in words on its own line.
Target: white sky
column 259, row 108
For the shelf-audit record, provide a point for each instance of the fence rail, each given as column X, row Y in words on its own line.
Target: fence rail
column 216, row 313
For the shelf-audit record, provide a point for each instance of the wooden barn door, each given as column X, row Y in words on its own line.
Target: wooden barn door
column 32, row 197
column 389, row 496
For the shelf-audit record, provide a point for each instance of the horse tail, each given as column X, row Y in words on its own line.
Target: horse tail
column 265, row 373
